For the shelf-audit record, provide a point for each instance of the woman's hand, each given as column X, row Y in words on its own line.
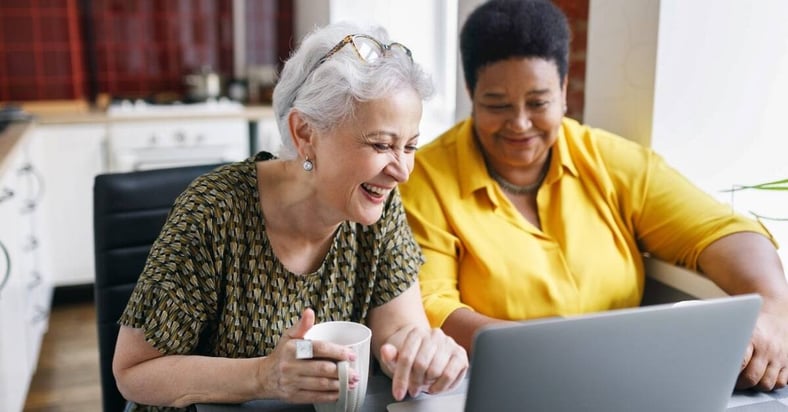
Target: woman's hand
column 422, row 360
column 747, row 262
column 313, row 380
column 765, row 364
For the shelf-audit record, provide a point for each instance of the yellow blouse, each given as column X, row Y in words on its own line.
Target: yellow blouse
column 605, row 201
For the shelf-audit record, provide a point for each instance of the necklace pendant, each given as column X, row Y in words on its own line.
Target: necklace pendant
column 514, row 189
column 517, row 189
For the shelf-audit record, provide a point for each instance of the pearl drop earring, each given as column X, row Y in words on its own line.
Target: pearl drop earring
column 308, row 165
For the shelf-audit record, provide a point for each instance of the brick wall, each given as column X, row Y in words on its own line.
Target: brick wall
column 577, row 14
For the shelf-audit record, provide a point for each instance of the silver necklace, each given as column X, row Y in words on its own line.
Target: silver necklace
column 514, row 189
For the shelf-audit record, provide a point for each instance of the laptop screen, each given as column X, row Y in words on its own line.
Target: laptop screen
column 653, row 358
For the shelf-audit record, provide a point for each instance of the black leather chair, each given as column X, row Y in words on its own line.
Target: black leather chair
column 129, row 211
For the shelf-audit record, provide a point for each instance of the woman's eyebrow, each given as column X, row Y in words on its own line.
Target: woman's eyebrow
column 494, row 95
column 392, row 135
column 537, row 92
column 501, row 95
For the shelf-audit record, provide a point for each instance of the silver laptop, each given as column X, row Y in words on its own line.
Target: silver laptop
column 673, row 357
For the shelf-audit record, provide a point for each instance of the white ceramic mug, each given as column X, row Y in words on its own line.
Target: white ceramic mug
column 357, row 337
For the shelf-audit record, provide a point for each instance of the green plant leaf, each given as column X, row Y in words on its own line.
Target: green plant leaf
column 773, row 219
column 775, row 185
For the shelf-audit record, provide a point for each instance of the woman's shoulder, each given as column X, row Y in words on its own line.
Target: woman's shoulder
column 226, row 177
column 588, row 141
column 221, row 185
column 442, row 157
column 588, row 134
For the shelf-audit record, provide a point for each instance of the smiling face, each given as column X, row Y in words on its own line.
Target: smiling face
column 358, row 163
column 518, row 105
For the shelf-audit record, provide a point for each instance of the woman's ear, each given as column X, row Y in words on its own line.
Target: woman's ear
column 565, row 86
column 301, row 132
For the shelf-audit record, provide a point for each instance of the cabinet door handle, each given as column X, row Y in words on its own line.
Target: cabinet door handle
column 38, row 183
column 35, row 282
column 29, row 207
column 32, row 244
column 7, row 194
column 7, row 273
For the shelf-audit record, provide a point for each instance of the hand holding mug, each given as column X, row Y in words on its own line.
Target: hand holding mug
column 306, row 380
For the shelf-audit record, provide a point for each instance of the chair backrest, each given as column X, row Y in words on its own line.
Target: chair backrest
column 129, row 210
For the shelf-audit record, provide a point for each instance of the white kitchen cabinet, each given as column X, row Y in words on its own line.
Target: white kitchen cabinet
column 38, row 273
column 20, row 336
column 68, row 156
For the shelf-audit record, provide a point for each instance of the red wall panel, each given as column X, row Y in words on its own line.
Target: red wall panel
column 40, row 50
column 138, row 48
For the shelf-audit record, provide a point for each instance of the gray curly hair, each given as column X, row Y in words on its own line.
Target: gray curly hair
column 327, row 93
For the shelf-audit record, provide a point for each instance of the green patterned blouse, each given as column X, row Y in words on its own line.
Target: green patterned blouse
column 213, row 286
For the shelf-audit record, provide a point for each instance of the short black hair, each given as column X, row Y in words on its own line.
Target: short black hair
column 501, row 29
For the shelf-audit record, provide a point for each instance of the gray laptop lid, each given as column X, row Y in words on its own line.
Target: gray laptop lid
column 653, row 358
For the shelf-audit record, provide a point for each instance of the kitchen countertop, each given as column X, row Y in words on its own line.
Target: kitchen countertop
column 99, row 116
column 14, row 134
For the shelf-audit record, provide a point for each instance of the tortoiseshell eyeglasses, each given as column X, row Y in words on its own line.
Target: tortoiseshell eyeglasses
column 367, row 48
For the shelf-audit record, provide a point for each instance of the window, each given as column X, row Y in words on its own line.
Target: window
column 429, row 29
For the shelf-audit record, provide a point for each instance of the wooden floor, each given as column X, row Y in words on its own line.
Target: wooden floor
column 67, row 378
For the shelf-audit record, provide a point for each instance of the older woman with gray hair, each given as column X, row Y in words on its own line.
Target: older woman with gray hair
column 255, row 253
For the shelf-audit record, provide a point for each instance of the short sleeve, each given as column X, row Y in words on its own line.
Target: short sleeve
column 677, row 220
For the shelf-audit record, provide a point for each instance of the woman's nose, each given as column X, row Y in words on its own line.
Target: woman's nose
column 399, row 167
column 520, row 121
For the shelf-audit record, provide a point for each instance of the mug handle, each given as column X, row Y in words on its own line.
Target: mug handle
column 342, row 402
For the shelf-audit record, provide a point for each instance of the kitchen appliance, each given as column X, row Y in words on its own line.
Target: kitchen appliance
column 143, row 136
column 260, row 82
column 203, row 84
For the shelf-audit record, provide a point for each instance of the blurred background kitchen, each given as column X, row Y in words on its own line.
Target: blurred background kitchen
column 97, row 86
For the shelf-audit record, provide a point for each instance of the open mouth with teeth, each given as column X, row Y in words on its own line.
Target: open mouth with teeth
column 374, row 191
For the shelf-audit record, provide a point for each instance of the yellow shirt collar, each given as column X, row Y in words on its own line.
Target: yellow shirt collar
column 562, row 157
column 469, row 155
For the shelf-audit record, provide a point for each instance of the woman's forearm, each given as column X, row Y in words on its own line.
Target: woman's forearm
column 146, row 376
column 182, row 380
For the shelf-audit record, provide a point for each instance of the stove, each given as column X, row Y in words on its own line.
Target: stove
column 144, row 135
column 143, row 108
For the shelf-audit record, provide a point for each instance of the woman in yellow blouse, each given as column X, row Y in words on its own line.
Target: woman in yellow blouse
column 523, row 213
